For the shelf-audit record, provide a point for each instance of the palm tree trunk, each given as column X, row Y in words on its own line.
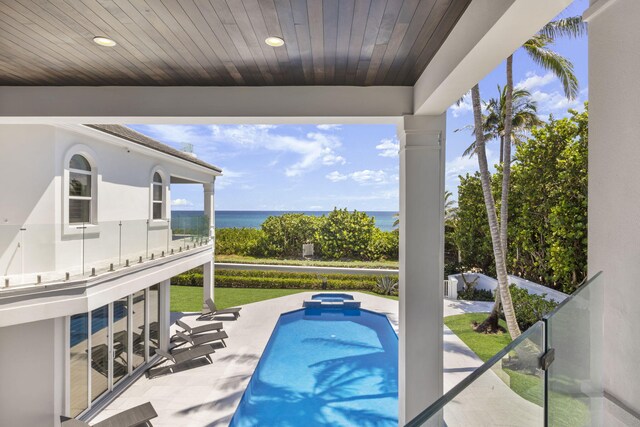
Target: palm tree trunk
column 485, row 178
column 506, row 158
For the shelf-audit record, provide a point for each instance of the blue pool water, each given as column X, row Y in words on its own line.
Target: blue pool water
column 325, row 367
column 329, row 297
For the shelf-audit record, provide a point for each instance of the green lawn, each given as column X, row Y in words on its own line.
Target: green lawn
column 189, row 298
column 275, row 261
column 566, row 410
column 484, row 345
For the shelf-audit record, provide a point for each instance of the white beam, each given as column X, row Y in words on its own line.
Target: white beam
column 422, row 155
column 487, row 33
column 275, row 104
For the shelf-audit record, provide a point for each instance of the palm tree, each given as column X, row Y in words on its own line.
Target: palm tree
column 538, row 49
column 525, row 117
column 503, row 296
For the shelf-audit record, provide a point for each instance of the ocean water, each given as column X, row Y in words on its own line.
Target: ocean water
column 325, row 367
column 253, row 219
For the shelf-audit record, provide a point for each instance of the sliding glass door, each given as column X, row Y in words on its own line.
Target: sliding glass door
column 138, row 329
column 99, row 351
column 154, row 319
column 120, row 343
column 107, row 344
column 79, row 363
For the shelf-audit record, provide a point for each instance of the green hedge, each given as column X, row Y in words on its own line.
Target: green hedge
column 278, row 280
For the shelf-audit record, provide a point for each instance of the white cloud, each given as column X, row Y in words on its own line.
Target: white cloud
column 463, row 165
column 369, row 176
column 388, row 147
column 314, row 149
column 315, row 207
column 181, row 202
column 534, row 80
column 229, row 176
column 554, row 102
column 459, row 109
column 329, row 127
column 336, row 176
column 364, row 177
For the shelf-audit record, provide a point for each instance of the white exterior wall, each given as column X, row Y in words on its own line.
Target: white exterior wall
column 489, row 283
column 614, row 189
column 34, row 160
column 32, row 373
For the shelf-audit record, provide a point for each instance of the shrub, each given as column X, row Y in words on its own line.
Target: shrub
column 284, row 235
column 280, row 280
column 238, row 241
column 529, row 308
column 384, row 245
column 387, row 285
column 345, row 235
column 472, row 294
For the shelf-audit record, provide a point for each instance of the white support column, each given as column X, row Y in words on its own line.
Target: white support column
column 208, row 269
column 164, row 316
column 422, row 151
column 614, row 200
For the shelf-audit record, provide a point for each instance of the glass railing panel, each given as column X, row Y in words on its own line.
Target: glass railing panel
column 507, row 390
column 48, row 253
column 575, row 332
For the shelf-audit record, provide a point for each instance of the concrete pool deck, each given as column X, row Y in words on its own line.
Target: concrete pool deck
column 209, row 394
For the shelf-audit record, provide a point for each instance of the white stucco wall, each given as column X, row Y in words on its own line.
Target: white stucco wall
column 489, row 283
column 32, row 373
column 614, row 188
column 32, row 170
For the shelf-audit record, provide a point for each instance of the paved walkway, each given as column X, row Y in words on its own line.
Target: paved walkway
column 208, row 395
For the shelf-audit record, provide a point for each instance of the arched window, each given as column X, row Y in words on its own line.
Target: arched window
column 80, row 190
column 157, row 197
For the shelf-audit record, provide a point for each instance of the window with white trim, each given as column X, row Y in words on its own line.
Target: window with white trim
column 80, row 190
column 157, row 197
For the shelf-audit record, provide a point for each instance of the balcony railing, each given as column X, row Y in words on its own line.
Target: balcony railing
column 47, row 253
column 550, row 375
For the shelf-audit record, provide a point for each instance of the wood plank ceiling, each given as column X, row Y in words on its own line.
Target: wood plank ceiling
column 221, row 43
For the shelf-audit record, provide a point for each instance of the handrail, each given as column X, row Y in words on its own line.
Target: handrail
column 436, row 406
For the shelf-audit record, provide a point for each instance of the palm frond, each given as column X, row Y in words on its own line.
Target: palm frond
column 537, row 49
column 572, row 27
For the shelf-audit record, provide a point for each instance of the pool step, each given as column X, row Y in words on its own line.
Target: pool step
column 314, row 303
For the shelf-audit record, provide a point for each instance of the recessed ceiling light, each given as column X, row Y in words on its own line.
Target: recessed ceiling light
column 274, row 41
column 104, row 41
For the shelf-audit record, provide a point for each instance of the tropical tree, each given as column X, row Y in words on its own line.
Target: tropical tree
column 525, row 117
column 502, row 292
column 538, row 49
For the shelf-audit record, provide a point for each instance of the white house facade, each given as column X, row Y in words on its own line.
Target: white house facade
column 87, row 250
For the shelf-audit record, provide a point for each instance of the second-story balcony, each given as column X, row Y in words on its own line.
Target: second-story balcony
column 39, row 254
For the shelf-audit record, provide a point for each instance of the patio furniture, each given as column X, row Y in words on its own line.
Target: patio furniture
column 137, row 416
column 179, row 358
column 196, row 340
column 215, row 326
column 213, row 311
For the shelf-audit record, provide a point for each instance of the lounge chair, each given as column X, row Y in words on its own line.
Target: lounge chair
column 180, row 357
column 213, row 311
column 137, row 416
column 196, row 340
column 216, row 326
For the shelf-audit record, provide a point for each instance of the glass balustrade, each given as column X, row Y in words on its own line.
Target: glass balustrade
column 47, row 253
column 550, row 375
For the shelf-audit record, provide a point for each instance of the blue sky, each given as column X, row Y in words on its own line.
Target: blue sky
column 308, row 167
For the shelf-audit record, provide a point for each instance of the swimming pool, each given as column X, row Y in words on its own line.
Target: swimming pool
column 325, row 367
column 331, row 297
